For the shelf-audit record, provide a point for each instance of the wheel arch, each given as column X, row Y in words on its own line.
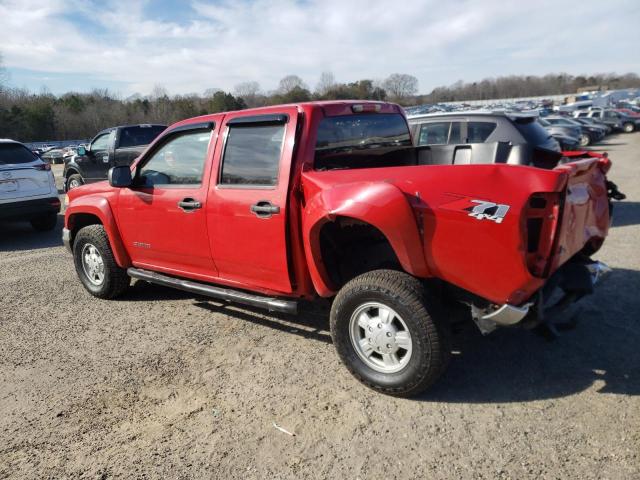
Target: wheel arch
column 96, row 210
column 381, row 209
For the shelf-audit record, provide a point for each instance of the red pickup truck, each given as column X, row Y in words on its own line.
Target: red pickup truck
column 270, row 206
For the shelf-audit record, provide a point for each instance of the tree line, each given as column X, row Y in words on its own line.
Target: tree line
column 29, row 116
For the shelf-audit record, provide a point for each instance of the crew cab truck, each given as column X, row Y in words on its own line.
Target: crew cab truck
column 269, row 206
column 111, row 147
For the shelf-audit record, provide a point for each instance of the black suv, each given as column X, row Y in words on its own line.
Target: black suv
column 483, row 137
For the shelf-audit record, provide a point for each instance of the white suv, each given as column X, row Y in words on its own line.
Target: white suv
column 27, row 187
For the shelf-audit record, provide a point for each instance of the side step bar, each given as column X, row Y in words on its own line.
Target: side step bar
column 270, row 303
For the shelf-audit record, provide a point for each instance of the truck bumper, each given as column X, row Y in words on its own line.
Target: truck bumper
column 66, row 239
column 575, row 279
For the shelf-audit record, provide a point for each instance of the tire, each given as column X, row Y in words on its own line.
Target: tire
column 74, row 181
column 92, row 243
column 628, row 127
column 585, row 140
column 370, row 294
column 45, row 223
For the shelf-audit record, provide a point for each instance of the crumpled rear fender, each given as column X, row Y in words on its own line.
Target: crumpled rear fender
column 380, row 204
column 99, row 206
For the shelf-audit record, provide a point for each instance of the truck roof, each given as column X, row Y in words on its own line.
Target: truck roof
column 133, row 125
column 301, row 105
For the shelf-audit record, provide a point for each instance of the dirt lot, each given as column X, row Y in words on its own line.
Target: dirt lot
column 165, row 385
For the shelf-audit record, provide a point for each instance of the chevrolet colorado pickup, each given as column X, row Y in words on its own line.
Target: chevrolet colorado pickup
column 111, row 147
column 270, row 206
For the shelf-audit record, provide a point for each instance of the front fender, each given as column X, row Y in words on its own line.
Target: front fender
column 99, row 207
column 380, row 204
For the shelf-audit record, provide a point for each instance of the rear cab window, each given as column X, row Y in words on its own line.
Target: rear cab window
column 139, row 135
column 368, row 140
column 15, row 154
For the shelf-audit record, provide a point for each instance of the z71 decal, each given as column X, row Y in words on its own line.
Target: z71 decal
column 488, row 211
column 478, row 209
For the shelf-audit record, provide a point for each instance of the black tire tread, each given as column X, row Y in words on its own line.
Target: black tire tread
column 116, row 279
column 410, row 292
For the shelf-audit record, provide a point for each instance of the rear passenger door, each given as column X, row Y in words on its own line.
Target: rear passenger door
column 247, row 208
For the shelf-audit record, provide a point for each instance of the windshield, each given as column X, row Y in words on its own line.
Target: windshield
column 363, row 141
column 13, row 153
column 142, row 135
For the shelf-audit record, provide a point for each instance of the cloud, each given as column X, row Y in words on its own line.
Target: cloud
column 196, row 46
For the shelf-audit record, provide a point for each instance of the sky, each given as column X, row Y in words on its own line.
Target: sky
column 186, row 47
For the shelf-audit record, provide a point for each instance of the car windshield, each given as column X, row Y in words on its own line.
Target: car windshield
column 363, row 141
column 14, row 153
column 142, row 135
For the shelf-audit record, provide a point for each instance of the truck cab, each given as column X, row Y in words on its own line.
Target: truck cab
column 109, row 148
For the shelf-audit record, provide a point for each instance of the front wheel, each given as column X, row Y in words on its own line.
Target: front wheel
column 628, row 127
column 74, row 181
column 95, row 265
column 386, row 335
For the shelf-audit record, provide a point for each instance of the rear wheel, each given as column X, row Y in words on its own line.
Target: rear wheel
column 74, row 181
column 386, row 335
column 95, row 264
column 45, row 222
column 585, row 140
column 628, row 127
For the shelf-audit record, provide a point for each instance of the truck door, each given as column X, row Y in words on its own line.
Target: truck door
column 247, row 207
column 162, row 216
column 96, row 162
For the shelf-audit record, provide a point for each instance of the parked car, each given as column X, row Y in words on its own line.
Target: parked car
column 516, row 137
column 27, row 187
column 595, row 122
column 600, row 129
column 111, row 147
column 586, row 134
column 616, row 120
column 54, row 155
column 330, row 199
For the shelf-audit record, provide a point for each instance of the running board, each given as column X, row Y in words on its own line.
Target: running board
column 270, row 303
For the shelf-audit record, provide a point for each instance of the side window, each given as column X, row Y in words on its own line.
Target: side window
column 478, row 132
column 436, row 133
column 252, row 155
column 180, row 161
column 101, row 143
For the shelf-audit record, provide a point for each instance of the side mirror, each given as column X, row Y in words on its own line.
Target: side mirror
column 120, row 177
column 82, row 151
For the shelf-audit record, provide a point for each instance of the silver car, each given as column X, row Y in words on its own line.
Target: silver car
column 27, row 187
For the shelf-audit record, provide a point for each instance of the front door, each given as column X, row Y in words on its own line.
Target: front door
column 162, row 217
column 247, row 209
column 95, row 163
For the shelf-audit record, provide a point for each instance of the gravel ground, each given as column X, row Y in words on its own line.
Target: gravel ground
column 165, row 385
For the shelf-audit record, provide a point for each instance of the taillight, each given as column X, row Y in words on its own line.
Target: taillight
column 541, row 214
column 42, row 166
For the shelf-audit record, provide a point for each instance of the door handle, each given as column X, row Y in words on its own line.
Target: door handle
column 189, row 204
column 264, row 209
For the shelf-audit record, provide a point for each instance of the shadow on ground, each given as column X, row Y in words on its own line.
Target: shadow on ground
column 513, row 365
column 510, row 365
column 19, row 236
column 626, row 213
